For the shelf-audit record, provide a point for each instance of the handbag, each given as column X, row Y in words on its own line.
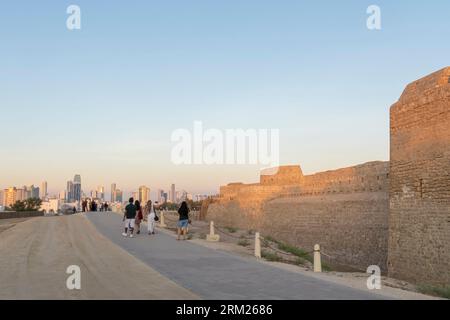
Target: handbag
column 156, row 217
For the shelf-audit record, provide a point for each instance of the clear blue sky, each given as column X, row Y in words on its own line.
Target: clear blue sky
column 102, row 101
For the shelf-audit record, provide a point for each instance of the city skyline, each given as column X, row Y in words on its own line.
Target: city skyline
column 243, row 65
column 142, row 193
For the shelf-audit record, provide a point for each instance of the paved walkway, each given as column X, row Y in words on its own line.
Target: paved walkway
column 215, row 274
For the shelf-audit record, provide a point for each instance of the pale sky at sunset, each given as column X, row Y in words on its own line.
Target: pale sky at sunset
column 103, row 101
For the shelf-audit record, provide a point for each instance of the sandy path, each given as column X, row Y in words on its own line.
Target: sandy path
column 35, row 254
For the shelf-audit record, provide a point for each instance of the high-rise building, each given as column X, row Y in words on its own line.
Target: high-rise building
column 33, row 192
column 118, row 196
column 101, row 193
column 181, row 196
column 20, row 194
column 9, row 197
column 94, row 194
column 144, row 194
column 2, row 200
column 43, row 193
column 77, row 188
column 173, row 194
column 25, row 193
column 160, row 195
column 113, row 192
column 62, row 195
column 69, row 191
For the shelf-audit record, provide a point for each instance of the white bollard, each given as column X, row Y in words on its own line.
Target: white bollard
column 211, row 228
column 257, row 245
column 317, row 260
column 212, row 237
column 161, row 222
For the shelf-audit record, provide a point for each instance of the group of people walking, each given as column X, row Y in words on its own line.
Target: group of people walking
column 134, row 215
column 88, row 205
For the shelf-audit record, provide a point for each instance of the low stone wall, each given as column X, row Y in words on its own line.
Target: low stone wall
column 13, row 215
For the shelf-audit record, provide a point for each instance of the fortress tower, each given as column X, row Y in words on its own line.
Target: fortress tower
column 283, row 175
column 419, row 217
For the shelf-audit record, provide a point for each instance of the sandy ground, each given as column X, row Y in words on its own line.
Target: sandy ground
column 35, row 253
column 9, row 223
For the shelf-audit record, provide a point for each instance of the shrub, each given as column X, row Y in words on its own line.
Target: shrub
column 270, row 256
column 269, row 238
column 32, row 204
column 231, row 229
column 300, row 261
column 295, row 251
column 443, row 292
column 244, row 243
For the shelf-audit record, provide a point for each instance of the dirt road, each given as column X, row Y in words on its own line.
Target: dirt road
column 34, row 256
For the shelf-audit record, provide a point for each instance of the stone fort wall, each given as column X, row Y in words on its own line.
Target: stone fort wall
column 419, row 222
column 344, row 210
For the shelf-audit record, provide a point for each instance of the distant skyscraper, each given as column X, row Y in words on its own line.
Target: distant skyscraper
column 9, row 197
column 24, row 193
column 34, row 192
column 69, row 191
column 118, row 196
column 77, row 188
column 94, row 194
column 77, row 179
column 173, row 195
column 160, row 196
column 43, row 193
column 113, row 192
column 62, row 195
column 20, row 194
column 101, row 192
column 181, row 196
column 144, row 194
